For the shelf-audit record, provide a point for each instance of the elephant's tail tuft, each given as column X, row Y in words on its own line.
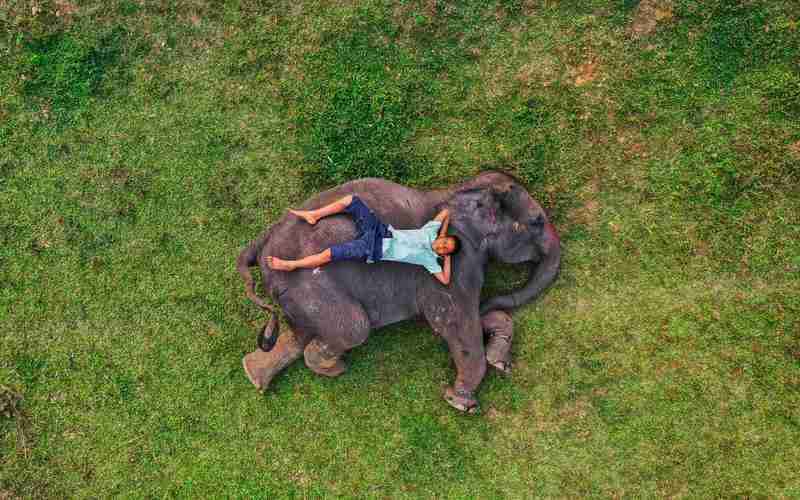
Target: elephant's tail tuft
column 269, row 334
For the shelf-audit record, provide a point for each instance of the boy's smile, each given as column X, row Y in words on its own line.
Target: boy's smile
column 443, row 246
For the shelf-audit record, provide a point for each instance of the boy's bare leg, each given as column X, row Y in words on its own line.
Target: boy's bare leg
column 309, row 262
column 312, row 216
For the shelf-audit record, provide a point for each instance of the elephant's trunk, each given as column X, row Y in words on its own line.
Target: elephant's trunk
column 542, row 275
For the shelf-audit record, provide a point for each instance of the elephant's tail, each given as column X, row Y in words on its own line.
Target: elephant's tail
column 269, row 334
column 247, row 259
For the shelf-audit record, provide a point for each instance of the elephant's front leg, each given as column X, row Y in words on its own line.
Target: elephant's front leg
column 499, row 328
column 465, row 341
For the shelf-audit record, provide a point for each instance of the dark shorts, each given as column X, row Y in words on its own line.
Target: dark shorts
column 352, row 250
column 369, row 235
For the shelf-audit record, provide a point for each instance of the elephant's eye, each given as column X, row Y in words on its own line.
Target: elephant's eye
column 536, row 221
column 478, row 204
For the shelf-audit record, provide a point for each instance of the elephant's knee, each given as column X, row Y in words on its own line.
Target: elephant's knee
column 323, row 360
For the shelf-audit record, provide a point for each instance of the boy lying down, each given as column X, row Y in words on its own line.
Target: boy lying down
column 377, row 241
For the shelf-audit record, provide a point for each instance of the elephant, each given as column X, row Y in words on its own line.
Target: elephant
column 332, row 309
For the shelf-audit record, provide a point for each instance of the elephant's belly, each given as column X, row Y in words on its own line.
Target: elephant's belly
column 386, row 290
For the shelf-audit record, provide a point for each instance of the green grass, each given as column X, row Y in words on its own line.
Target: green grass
column 143, row 144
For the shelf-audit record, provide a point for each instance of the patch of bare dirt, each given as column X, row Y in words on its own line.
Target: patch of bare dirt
column 540, row 72
column 194, row 19
column 492, row 414
column 795, row 149
column 586, row 73
column 65, row 9
column 648, row 15
column 430, row 8
column 10, row 401
column 701, row 248
column 637, row 149
column 529, row 7
column 500, row 14
column 11, row 408
column 575, row 410
column 401, row 17
column 589, row 213
column 634, row 148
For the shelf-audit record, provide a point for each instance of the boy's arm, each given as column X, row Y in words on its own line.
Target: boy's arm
column 444, row 218
column 444, row 276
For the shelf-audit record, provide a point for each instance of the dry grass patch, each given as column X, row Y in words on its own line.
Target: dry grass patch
column 633, row 145
column 543, row 70
column 794, row 149
column 65, row 9
column 586, row 73
column 11, row 408
column 588, row 214
column 575, row 410
column 649, row 13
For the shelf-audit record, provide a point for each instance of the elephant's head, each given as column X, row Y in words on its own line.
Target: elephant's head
column 503, row 222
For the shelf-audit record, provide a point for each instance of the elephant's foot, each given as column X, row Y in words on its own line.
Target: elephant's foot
column 261, row 367
column 322, row 361
column 499, row 326
column 461, row 400
column 498, row 353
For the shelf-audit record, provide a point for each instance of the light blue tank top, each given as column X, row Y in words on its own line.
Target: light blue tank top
column 414, row 246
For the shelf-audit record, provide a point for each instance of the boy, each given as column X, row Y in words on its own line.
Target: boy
column 377, row 241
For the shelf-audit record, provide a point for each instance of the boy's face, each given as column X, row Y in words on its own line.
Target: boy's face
column 443, row 246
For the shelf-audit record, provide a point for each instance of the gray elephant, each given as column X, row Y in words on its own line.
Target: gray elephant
column 332, row 309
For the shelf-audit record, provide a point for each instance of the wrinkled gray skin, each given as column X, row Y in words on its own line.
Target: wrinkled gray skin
column 332, row 309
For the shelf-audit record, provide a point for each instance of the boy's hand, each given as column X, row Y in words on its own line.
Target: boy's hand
column 444, row 276
column 444, row 218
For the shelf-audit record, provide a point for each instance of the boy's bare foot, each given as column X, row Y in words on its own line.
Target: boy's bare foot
column 308, row 216
column 279, row 264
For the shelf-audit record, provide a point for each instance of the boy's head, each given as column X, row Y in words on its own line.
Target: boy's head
column 446, row 245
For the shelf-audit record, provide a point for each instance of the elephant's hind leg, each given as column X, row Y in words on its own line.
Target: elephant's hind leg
column 339, row 326
column 261, row 367
column 322, row 360
column 499, row 327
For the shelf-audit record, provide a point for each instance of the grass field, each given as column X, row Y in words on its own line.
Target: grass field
column 144, row 143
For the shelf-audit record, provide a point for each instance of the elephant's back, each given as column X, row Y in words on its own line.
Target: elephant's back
column 293, row 238
column 395, row 204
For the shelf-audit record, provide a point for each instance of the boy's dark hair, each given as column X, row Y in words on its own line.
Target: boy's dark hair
column 456, row 244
